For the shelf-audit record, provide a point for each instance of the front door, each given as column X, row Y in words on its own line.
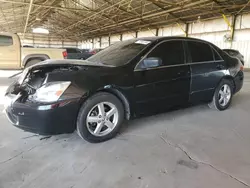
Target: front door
column 159, row 88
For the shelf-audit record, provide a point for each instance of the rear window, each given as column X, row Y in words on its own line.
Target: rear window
column 6, row 40
column 71, row 50
column 85, row 50
column 217, row 57
column 200, row 52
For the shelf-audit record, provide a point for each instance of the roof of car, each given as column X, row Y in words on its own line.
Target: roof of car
column 167, row 38
column 159, row 39
column 230, row 50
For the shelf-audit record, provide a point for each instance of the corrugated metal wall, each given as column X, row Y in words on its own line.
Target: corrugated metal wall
column 50, row 43
column 42, row 40
column 212, row 30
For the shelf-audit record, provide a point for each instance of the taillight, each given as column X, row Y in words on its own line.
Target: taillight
column 65, row 54
column 241, row 67
column 93, row 52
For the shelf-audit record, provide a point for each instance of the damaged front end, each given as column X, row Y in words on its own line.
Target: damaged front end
column 34, row 103
column 34, row 78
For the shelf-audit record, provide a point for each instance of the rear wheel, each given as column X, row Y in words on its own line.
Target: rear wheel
column 32, row 62
column 222, row 96
column 100, row 117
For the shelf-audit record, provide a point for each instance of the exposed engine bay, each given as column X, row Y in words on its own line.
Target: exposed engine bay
column 35, row 77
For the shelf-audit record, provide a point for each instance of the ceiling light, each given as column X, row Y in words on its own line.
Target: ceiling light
column 40, row 30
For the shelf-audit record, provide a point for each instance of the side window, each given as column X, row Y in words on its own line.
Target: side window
column 6, row 40
column 200, row 52
column 170, row 52
column 78, row 51
column 216, row 55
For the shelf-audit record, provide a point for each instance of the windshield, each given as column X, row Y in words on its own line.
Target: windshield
column 119, row 53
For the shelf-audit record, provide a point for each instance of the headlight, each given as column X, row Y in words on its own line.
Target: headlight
column 50, row 92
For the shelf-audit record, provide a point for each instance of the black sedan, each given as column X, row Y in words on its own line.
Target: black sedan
column 235, row 53
column 129, row 79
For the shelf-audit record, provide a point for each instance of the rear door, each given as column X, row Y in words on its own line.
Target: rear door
column 9, row 52
column 160, row 88
column 206, row 70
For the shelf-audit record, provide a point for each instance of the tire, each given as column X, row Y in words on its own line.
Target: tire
column 32, row 62
column 216, row 103
column 87, row 129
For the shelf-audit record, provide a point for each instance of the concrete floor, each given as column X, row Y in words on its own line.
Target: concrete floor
column 190, row 148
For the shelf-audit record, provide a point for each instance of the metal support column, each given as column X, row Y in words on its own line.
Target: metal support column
column 109, row 41
column 100, row 41
column 187, row 29
column 184, row 31
column 233, row 26
column 157, row 32
column 33, row 40
column 49, row 41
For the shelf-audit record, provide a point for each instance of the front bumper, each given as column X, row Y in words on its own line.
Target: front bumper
column 238, row 80
column 44, row 119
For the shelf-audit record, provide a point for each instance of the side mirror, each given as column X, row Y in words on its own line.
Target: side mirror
column 151, row 62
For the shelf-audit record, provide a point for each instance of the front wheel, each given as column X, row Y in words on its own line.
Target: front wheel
column 222, row 96
column 100, row 117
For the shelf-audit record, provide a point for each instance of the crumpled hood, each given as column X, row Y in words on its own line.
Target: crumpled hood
column 33, row 77
column 54, row 70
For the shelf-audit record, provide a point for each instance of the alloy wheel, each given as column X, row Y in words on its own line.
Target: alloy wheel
column 102, row 119
column 224, row 95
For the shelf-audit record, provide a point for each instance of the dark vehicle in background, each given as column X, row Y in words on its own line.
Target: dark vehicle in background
column 126, row 80
column 75, row 53
column 86, row 53
column 95, row 51
column 235, row 53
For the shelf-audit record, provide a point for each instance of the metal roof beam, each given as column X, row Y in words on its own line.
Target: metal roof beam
column 219, row 3
column 163, row 8
column 45, row 14
column 243, row 7
column 27, row 19
column 91, row 16
column 155, row 14
column 120, row 8
column 45, row 6
column 124, row 10
column 164, row 22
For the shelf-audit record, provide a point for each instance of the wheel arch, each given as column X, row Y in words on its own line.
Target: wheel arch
column 121, row 96
column 228, row 77
column 34, row 56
